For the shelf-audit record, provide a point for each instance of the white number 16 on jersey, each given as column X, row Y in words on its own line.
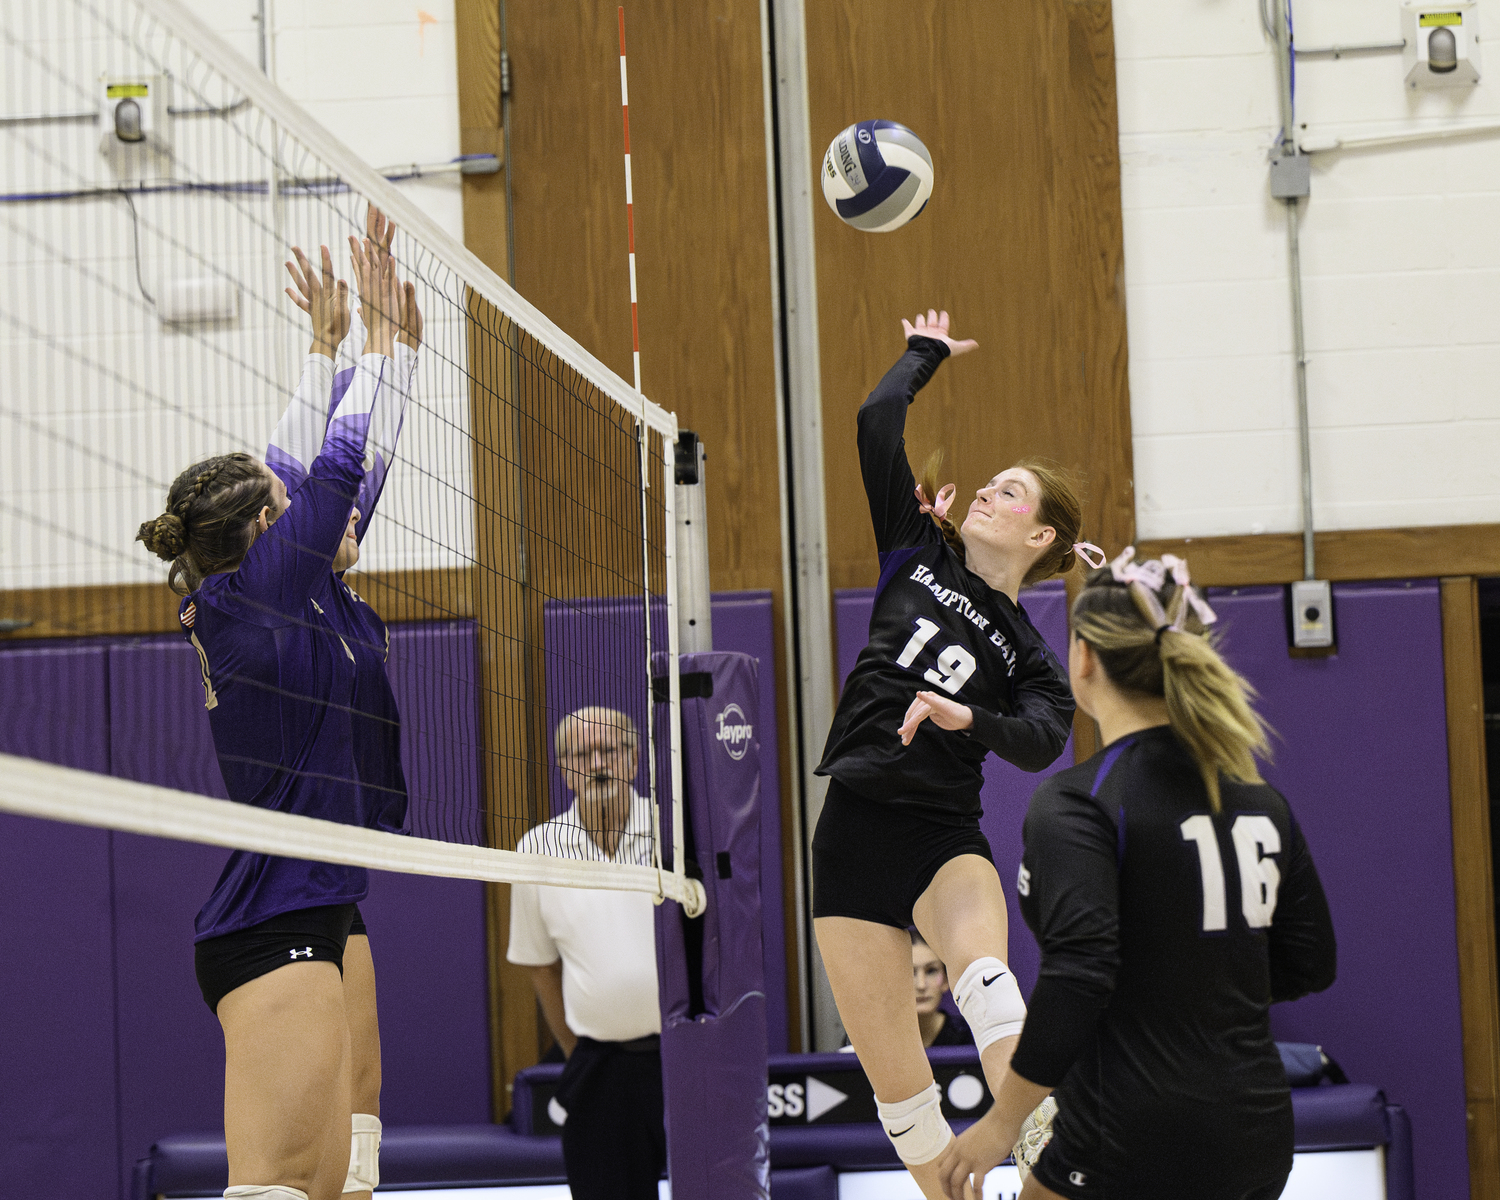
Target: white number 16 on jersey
column 1255, row 836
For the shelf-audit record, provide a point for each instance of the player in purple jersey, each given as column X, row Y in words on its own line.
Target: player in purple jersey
column 1174, row 899
column 304, row 722
column 954, row 670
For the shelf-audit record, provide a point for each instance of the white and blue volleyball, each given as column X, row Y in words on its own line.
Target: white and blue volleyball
column 877, row 176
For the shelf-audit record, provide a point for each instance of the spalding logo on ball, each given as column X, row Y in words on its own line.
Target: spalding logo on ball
column 877, row 176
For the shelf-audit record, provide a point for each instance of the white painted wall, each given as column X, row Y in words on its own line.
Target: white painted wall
column 1401, row 277
column 100, row 403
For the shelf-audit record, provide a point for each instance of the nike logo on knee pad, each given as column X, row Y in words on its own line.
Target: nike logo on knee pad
column 908, row 1129
column 991, row 979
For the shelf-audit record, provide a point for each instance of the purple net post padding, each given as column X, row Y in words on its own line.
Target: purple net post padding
column 712, row 977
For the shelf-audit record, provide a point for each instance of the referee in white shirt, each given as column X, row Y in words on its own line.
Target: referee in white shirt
column 592, row 956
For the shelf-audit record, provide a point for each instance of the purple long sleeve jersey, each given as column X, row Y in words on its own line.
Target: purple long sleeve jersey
column 302, row 714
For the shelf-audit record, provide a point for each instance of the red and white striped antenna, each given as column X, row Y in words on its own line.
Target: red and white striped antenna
column 635, row 324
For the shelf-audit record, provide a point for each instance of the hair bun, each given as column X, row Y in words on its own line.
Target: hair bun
column 165, row 537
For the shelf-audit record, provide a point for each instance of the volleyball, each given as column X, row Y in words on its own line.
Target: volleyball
column 877, row 175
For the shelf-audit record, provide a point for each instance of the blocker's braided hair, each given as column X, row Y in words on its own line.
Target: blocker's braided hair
column 1208, row 702
column 209, row 522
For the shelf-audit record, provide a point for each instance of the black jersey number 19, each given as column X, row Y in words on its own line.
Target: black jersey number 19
column 954, row 665
column 1255, row 838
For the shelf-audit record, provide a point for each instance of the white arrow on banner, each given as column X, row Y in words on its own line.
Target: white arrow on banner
column 821, row 1098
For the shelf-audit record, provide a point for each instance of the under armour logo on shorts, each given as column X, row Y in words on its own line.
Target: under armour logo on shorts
column 296, row 954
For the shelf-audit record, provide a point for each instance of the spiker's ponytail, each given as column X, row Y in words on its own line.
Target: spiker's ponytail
column 1151, row 639
column 930, row 492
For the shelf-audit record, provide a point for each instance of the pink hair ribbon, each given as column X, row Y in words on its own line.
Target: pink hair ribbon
column 1191, row 598
column 1084, row 549
column 939, row 507
column 1149, row 576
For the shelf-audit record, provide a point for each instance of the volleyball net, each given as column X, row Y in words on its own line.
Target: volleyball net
column 516, row 510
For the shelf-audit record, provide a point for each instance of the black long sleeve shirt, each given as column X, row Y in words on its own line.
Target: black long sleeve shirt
column 936, row 626
column 1166, row 933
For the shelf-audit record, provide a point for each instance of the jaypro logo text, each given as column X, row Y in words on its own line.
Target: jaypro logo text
column 734, row 731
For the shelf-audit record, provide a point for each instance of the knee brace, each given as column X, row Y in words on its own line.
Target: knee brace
column 990, row 1001
column 243, row 1191
column 917, row 1127
column 364, row 1155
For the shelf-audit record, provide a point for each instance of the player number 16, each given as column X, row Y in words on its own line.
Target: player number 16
column 954, row 665
column 1255, row 838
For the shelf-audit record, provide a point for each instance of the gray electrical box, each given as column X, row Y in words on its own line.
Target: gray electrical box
column 1312, row 615
column 1291, row 176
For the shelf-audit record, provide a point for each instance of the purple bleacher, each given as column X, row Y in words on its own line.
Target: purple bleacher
column 804, row 1160
column 57, row 1063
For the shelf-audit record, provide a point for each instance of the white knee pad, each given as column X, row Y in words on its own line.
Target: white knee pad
column 364, row 1155
column 917, row 1127
column 990, row 1001
column 245, row 1191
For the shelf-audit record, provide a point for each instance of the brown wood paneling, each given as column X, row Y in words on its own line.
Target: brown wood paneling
column 1474, row 897
column 701, row 226
column 702, row 229
column 1021, row 242
column 138, row 609
column 1351, row 554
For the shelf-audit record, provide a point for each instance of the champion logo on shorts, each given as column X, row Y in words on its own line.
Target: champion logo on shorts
column 296, row 954
column 1077, row 1178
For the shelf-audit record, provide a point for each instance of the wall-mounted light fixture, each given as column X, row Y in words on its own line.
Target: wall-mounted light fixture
column 1442, row 43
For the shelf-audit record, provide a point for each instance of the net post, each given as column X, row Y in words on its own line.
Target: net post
column 694, row 899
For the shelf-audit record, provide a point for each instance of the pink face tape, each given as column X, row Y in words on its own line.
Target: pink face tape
column 1020, row 508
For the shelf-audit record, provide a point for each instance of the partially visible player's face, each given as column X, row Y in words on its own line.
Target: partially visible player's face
column 280, row 500
column 348, row 551
column 1081, row 658
column 599, row 761
column 928, row 975
column 1003, row 515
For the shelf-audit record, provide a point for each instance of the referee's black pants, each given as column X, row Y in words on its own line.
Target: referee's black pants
column 615, row 1140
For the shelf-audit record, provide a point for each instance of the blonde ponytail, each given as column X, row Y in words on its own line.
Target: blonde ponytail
column 1151, row 640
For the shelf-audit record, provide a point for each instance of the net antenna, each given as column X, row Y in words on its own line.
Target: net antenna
column 529, row 501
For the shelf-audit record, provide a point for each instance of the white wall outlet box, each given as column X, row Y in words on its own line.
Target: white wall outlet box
column 1442, row 43
column 1312, row 614
column 182, row 301
column 135, row 125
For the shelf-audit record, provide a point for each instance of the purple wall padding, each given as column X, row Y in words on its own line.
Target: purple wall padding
column 1363, row 758
column 171, row 1051
column 714, row 1053
column 594, row 651
column 428, row 935
column 58, row 1104
column 1007, row 789
column 135, row 708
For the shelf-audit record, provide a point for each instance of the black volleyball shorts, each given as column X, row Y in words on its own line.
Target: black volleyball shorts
column 873, row 861
column 1250, row 1163
column 306, row 935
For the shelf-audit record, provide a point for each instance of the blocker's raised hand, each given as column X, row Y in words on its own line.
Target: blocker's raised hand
column 945, row 714
column 324, row 299
column 935, row 325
